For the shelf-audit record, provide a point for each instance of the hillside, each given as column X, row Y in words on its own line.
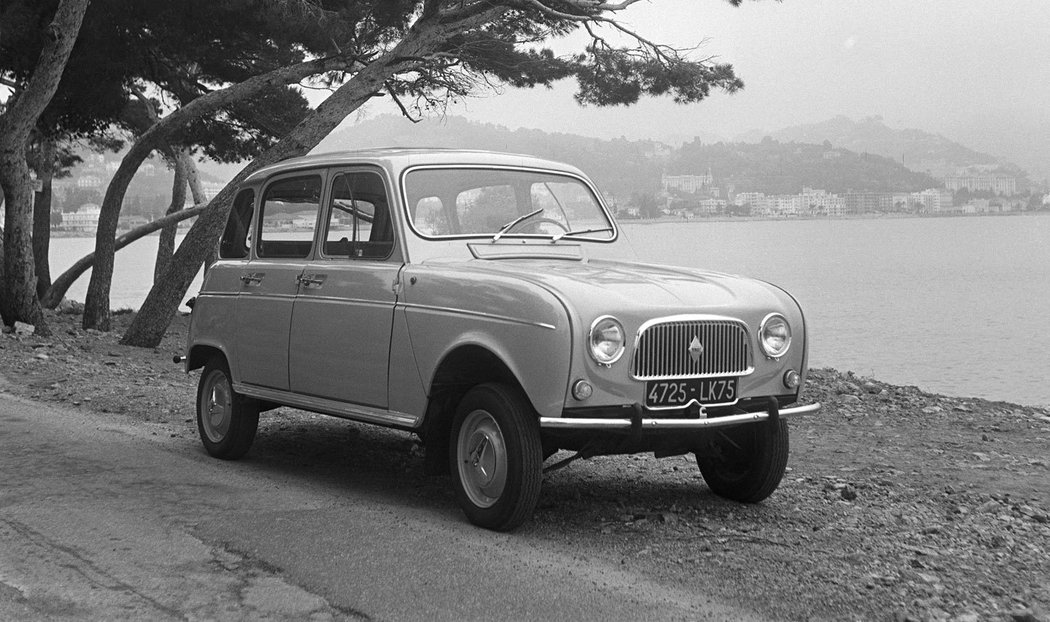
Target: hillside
column 918, row 150
column 620, row 167
column 775, row 167
column 623, row 168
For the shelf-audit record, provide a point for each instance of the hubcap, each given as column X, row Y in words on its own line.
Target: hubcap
column 217, row 408
column 482, row 458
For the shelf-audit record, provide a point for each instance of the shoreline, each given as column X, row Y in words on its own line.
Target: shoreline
column 891, row 216
column 655, row 221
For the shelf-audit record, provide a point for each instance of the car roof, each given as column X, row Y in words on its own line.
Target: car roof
column 400, row 158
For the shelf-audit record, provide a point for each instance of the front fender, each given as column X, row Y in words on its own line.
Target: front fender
column 522, row 324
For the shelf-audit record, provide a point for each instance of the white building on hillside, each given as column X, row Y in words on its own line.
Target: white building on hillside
column 84, row 219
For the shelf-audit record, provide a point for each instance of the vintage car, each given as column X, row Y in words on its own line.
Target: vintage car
column 488, row 303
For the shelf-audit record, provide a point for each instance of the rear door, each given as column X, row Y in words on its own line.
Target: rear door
column 282, row 245
column 341, row 324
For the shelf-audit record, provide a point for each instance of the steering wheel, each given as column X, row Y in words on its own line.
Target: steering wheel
column 534, row 222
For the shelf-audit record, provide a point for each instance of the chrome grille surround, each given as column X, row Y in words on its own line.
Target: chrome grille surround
column 661, row 348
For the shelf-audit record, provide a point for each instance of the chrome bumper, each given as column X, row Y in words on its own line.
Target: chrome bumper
column 671, row 424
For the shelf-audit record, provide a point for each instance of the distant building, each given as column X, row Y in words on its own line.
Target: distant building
column 711, row 207
column 934, row 201
column 85, row 219
column 89, row 181
column 996, row 184
column 868, row 202
column 686, row 183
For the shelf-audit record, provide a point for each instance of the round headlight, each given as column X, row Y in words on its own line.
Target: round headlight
column 606, row 340
column 775, row 335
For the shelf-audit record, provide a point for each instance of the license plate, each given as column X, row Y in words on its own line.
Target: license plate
column 679, row 393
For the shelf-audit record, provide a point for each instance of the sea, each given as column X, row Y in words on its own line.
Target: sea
column 957, row 305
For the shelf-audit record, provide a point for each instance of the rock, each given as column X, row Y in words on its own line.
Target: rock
column 42, row 357
column 69, row 307
column 850, row 399
column 931, row 410
column 1025, row 615
column 22, row 329
column 849, row 493
column 988, row 506
column 871, row 387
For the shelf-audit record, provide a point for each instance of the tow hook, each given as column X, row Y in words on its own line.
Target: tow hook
column 178, row 359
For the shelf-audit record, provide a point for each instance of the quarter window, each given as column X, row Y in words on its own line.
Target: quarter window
column 234, row 244
column 289, row 215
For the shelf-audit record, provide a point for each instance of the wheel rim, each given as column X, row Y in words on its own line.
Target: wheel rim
column 482, row 458
column 217, row 407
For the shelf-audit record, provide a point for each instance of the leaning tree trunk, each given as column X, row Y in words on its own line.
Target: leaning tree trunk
column 42, row 217
column 162, row 302
column 166, row 243
column 19, row 300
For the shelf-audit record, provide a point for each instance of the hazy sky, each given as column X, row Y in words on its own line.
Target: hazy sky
column 977, row 71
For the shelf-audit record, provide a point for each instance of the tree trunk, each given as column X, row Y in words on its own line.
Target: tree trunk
column 166, row 244
column 42, row 217
column 19, row 299
column 66, row 279
column 96, row 303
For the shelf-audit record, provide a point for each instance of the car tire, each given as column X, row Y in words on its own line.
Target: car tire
column 496, row 457
column 745, row 463
column 226, row 420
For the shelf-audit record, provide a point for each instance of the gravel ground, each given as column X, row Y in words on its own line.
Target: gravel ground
column 898, row 504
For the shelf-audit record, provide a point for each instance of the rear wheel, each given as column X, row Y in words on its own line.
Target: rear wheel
column 496, row 457
column 745, row 463
column 226, row 420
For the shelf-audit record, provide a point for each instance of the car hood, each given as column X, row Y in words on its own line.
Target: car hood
column 620, row 286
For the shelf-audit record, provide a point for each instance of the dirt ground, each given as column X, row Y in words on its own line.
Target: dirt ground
column 898, row 504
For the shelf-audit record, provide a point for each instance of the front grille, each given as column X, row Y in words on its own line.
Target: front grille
column 663, row 350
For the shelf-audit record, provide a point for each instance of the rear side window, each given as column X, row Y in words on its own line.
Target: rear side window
column 234, row 243
column 288, row 217
column 358, row 218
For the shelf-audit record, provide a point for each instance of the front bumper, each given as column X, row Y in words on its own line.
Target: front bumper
column 638, row 422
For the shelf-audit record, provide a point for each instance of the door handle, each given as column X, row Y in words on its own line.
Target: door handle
column 252, row 278
column 312, row 280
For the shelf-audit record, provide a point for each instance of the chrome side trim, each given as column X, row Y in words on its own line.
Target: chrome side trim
column 330, row 407
column 488, row 316
column 671, row 424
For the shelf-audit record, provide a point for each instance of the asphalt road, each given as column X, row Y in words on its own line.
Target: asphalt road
column 109, row 518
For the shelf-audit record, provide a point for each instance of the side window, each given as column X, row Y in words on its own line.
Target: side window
column 234, row 243
column 358, row 218
column 289, row 214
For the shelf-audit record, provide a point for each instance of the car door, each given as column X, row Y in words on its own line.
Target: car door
column 343, row 316
column 282, row 244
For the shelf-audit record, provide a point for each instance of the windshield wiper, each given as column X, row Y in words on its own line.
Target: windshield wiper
column 510, row 225
column 558, row 236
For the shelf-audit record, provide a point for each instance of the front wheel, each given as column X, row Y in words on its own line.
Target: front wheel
column 496, row 457
column 745, row 463
column 226, row 420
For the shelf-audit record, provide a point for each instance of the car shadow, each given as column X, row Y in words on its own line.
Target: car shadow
column 344, row 457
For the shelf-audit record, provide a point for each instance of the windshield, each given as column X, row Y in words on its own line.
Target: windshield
column 494, row 203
